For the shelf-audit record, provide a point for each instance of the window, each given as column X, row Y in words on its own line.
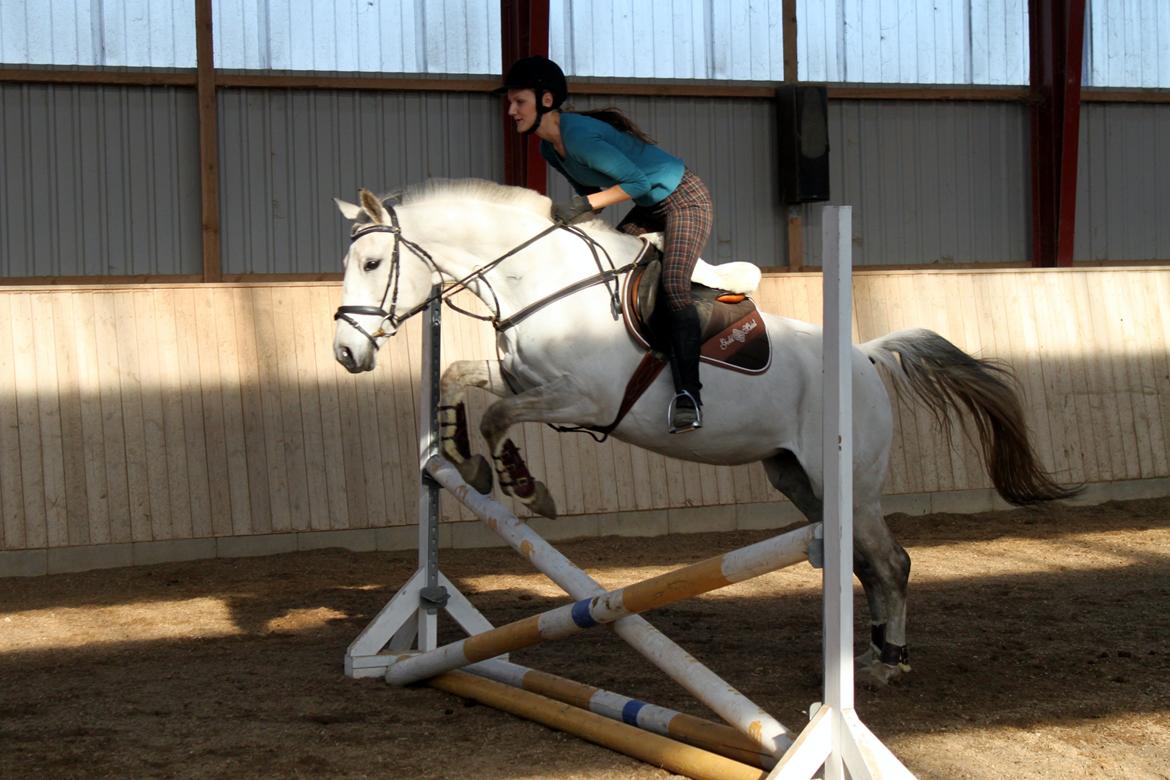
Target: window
column 387, row 36
column 684, row 39
column 114, row 33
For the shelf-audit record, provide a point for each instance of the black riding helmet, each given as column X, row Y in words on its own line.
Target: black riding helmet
column 540, row 74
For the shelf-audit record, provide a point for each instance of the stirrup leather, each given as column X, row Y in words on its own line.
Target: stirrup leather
column 670, row 411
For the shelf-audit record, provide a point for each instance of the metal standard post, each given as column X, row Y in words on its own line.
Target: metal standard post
column 433, row 596
column 413, row 613
column 835, row 737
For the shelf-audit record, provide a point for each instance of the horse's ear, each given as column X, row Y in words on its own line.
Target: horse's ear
column 372, row 206
column 348, row 210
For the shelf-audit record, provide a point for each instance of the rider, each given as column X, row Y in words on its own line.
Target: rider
column 608, row 159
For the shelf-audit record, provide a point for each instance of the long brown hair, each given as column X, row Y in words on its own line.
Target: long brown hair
column 614, row 117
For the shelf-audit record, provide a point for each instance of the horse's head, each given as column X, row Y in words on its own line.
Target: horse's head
column 383, row 285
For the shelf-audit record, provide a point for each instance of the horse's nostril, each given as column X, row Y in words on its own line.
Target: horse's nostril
column 346, row 355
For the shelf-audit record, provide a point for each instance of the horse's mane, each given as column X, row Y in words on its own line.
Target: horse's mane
column 435, row 190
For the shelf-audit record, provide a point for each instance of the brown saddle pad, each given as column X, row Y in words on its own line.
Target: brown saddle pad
column 734, row 336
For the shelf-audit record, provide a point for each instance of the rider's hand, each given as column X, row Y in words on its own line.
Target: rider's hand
column 567, row 213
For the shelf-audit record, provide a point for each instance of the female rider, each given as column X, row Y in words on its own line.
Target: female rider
column 608, row 160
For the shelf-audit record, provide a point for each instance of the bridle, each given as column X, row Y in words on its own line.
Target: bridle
column 604, row 276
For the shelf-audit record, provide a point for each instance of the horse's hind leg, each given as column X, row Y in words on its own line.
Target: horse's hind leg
column 878, row 561
column 454, row 441
column 883, row 567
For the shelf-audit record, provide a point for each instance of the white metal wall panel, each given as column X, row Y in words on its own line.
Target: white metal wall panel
column 938, row 183
column 913, row 41
column 286, row 154
column 683, row 39
column 98, row 181
column 388, row 36
column 1128, row 43
column 116, row 33
column 1123, row 182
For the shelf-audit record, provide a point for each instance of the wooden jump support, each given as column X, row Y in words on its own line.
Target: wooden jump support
column 401, row 642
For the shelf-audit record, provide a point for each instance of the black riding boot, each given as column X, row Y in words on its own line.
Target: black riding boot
column 685, row 412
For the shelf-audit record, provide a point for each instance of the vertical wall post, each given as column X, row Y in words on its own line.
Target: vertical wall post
column 208, row 113
column 1057, row 38
column 524, row 31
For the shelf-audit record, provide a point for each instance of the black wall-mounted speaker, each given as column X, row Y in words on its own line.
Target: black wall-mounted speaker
column 803, row 114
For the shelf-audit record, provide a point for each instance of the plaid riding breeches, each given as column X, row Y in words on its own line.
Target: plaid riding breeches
column 685, row 217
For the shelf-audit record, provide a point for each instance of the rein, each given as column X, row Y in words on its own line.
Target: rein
column 603, row 276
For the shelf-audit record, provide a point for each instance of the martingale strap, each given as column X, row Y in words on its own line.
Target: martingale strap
column 643, row 376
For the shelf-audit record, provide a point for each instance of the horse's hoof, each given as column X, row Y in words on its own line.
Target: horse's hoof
column 541, row 502
column 866, row 658
column 877, row 675
column 476, row 472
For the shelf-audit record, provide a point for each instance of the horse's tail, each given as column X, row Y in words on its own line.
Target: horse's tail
column 943, row 376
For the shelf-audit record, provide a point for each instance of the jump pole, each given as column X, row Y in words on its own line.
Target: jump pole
column 835, row 737
column 695, row 731
column 698, row 578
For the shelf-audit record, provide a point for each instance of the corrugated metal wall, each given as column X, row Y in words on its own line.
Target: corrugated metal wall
column 929, row 182
column 1128, row 43
column 389, row 36
column 731, row 39
column 117, row 33
column 98, row 181
column 913, row 41
column 286, row 154
column 943, row 182
column 1123, row 182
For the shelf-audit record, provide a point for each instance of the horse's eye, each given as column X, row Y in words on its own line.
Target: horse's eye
column 372, row 264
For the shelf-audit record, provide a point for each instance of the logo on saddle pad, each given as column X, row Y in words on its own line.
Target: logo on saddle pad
column 741, row 346
column 738, row 335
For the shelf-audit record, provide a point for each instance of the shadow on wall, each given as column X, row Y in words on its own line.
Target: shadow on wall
column 189, row 412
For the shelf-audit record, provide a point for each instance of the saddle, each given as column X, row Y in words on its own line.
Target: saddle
column 733, row 333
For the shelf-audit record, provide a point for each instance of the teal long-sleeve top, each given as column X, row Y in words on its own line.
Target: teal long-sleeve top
column 598, row 156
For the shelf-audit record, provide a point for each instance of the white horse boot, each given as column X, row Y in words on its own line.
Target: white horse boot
column 685, row 412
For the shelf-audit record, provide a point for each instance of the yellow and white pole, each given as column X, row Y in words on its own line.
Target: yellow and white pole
column 714, row 573
column 699, row 732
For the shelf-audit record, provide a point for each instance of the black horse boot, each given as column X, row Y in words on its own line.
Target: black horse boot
column 685, row 411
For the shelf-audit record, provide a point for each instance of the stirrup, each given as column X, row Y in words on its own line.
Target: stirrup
column 674, row 426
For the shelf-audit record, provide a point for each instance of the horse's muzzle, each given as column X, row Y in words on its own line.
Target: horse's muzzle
column 353, row 365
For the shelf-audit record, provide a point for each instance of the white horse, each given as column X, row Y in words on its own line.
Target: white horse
column 566, row 359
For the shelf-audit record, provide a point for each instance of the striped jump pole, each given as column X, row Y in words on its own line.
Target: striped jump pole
column 694, row 731
column 659, row 751
column 714, row 573
column 722, row 698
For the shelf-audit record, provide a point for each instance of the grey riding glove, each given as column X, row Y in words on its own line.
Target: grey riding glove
column 568, row 213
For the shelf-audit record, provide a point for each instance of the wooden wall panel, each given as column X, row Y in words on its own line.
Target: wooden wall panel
column 187, row 411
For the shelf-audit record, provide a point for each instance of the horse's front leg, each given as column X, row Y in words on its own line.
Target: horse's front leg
column 560, row 401
column 454, row 442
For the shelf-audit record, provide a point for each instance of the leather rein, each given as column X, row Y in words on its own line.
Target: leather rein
column 390, row 293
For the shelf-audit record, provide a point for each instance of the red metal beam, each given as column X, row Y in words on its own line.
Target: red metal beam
column 524, row 30
column 1057, row 37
